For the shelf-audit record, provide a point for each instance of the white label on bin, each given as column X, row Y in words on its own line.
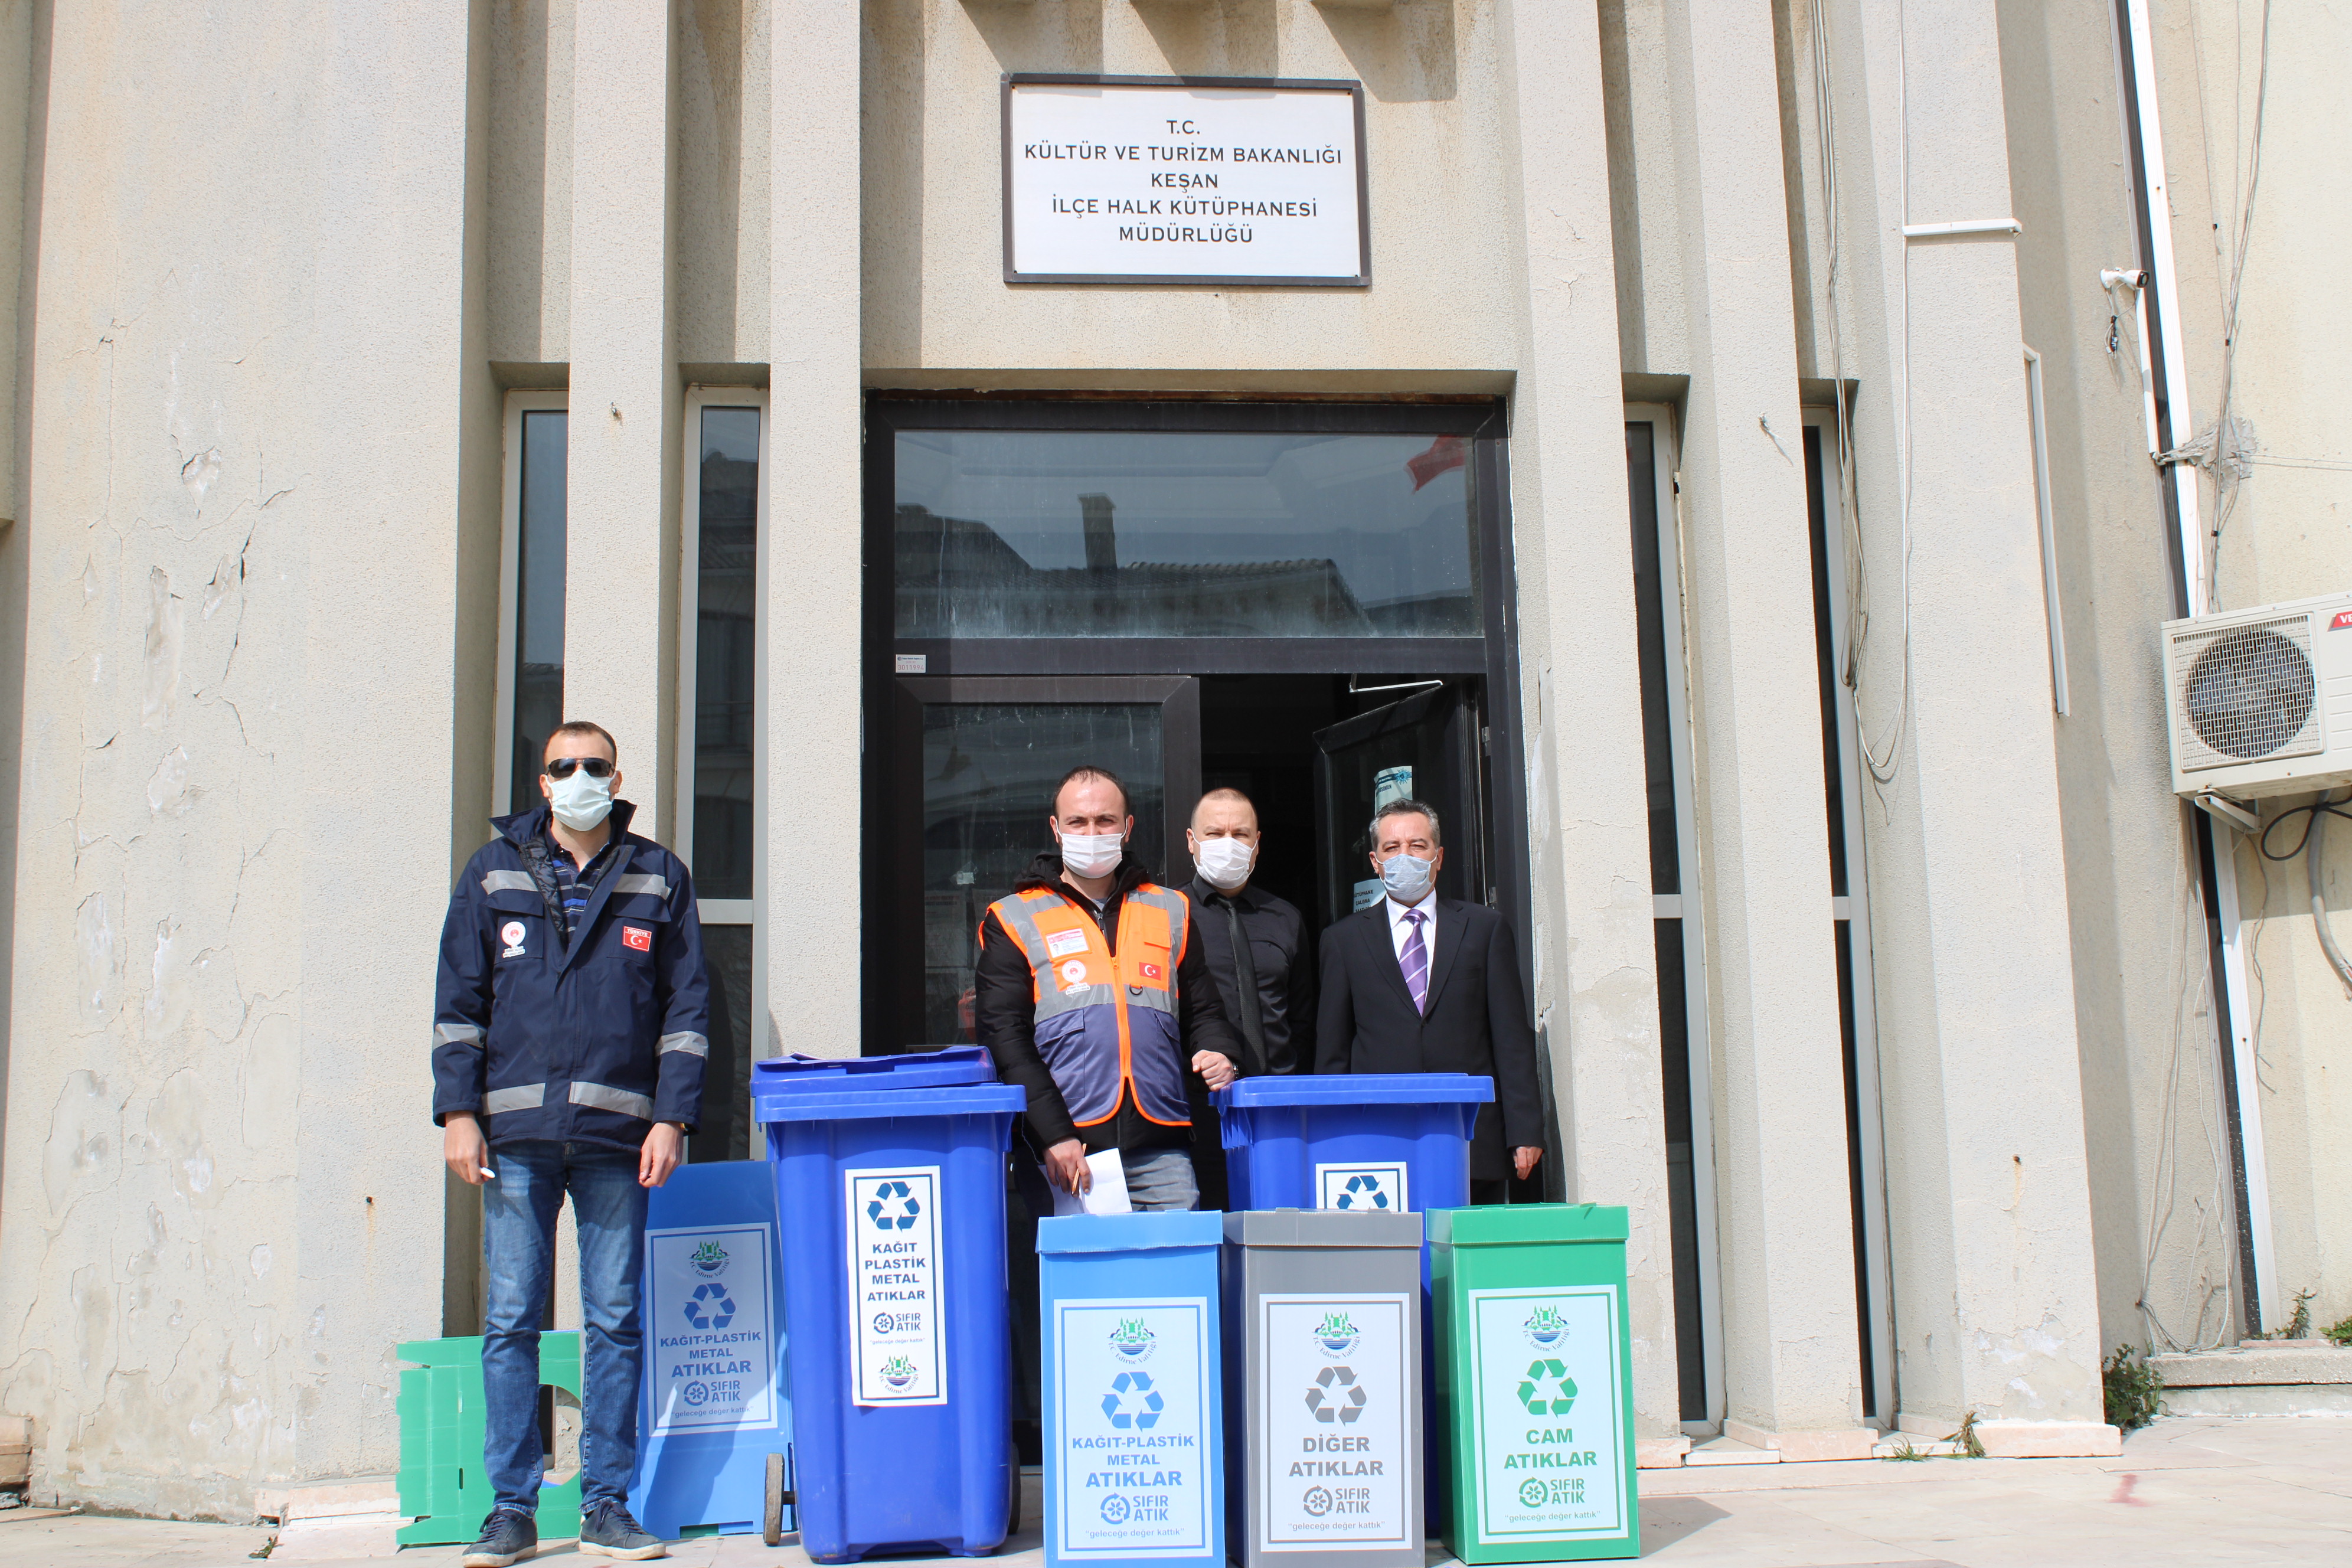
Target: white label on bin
column 1544, row 1384
column 900, row 1345
column 713, row 1352
column 1379, row 1185
column 1133, row 1426
column 1336, row 1378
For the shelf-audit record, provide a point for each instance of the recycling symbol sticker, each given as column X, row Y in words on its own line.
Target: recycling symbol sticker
column 894, row 1207
column 1133, row 1403
column 1336, row 1396
column 1547, row 1390
column 721, row 1311
column 1363, row 1192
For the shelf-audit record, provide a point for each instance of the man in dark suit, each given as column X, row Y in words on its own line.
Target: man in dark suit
column 1421, row 984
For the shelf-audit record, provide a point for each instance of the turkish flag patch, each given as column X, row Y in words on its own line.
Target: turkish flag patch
column 639, row 937
column 1149, row 971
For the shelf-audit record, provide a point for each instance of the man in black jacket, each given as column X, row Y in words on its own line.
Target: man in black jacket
column 1091, row 993
column 1421, row 984
column 1259, row 955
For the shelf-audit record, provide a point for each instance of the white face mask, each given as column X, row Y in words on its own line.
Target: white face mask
column 1091, row 855
column 1407, row 878
column 1225, row 863
column 579, row 803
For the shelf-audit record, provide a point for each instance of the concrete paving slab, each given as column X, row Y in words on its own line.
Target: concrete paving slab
column 2208, row 1492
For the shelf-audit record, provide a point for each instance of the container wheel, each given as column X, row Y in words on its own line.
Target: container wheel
column 771, row 1520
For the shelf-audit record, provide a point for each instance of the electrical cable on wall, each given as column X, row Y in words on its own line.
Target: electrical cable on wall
column 2311, row 847
column 1884, row 760
column 2225, row 451
column 2192, row 993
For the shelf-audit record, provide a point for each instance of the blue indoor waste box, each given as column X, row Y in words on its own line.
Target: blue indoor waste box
column 1397, row 1141
column 897, row 1347
column 1134, row 1389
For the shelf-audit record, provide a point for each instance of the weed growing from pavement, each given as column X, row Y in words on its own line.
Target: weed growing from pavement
column 1970, row 1444
column 2339, row 1332
column 2134, row 1389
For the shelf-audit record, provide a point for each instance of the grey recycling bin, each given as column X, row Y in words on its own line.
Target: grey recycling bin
column 1323, row 1384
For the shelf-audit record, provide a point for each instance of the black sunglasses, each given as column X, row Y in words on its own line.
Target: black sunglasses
column 562, row 767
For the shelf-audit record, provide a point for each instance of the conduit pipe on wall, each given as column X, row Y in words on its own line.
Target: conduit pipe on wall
column 2216, row 843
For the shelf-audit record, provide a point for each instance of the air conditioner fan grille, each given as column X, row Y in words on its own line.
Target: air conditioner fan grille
column 2250, row 691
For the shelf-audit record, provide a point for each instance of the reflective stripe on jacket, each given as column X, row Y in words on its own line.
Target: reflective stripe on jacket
column 1106, row 1020
column 593, row 1040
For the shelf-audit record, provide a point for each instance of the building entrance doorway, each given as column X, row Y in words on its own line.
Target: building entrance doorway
column 974, row 760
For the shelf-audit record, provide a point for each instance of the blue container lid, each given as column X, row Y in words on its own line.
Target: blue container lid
column 941, row 1069
column 1358, row 1088
column 1131, row 1232
column 857, row 1102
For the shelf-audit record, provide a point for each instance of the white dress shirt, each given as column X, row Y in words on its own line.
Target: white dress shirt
column 1401, row 927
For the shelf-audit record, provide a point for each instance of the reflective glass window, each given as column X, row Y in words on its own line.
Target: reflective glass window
column 989, row 772
column 726, row 628
column 1045, row 533
column 538, row 600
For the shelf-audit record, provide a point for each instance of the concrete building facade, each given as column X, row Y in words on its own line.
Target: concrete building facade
column 1734, row 485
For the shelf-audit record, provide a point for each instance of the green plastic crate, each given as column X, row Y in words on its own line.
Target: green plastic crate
column 444, row 1488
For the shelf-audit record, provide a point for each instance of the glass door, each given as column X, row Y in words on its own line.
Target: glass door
column 1422, row 748
column 974, row 764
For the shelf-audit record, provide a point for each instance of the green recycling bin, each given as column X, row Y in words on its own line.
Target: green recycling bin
column 1535, row 1382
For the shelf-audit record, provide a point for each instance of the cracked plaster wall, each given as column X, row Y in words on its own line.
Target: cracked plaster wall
column 217, row 1212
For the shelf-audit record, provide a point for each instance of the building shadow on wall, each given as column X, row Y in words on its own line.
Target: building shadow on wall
column 890, row 172
column 1026, row 37
column 1222, row 38
column 1402, row 56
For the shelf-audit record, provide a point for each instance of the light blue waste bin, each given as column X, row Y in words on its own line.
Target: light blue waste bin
column 899, row 1347
column 713, row 1406
column 1134, row 1390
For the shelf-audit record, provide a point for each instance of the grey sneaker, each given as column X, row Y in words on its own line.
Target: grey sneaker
column 607, row 1531
column 507, row 1534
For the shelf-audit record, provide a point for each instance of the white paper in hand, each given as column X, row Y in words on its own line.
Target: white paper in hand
column 1107, row 1195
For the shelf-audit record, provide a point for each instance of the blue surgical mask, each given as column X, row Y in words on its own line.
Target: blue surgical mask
column 1407, row 878
column 579, row 803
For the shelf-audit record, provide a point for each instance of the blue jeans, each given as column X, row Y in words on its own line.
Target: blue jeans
column 519, row 1211
column 1160, row 1179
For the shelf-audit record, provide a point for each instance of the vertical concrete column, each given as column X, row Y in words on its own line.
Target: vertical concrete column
column 375, row 607
column 1596, row 984
column 1790, row 1353
column 1988, row 1189
column 814, row 555
column 621, row 561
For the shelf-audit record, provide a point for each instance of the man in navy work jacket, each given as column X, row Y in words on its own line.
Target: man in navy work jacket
column 569, row 1034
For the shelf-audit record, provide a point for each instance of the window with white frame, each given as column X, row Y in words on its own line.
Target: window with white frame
column 531, row 598
column 718, row 742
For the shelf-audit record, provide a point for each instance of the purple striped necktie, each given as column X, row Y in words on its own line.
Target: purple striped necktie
column 1416, row 958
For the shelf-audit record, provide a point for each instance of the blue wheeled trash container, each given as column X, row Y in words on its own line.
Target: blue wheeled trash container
column 896, row 1343
column 1134, row 1390
column 1383, row 1141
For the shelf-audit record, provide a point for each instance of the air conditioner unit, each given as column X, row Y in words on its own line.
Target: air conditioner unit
column 2260, row 700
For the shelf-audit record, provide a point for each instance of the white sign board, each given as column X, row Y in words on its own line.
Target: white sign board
column 1380, row 1184
column 1153, row 180
column 1133, row 1426
column 712, row 1332
column 1546, row 1407
column 1336, row 1378
column 899, row 1346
